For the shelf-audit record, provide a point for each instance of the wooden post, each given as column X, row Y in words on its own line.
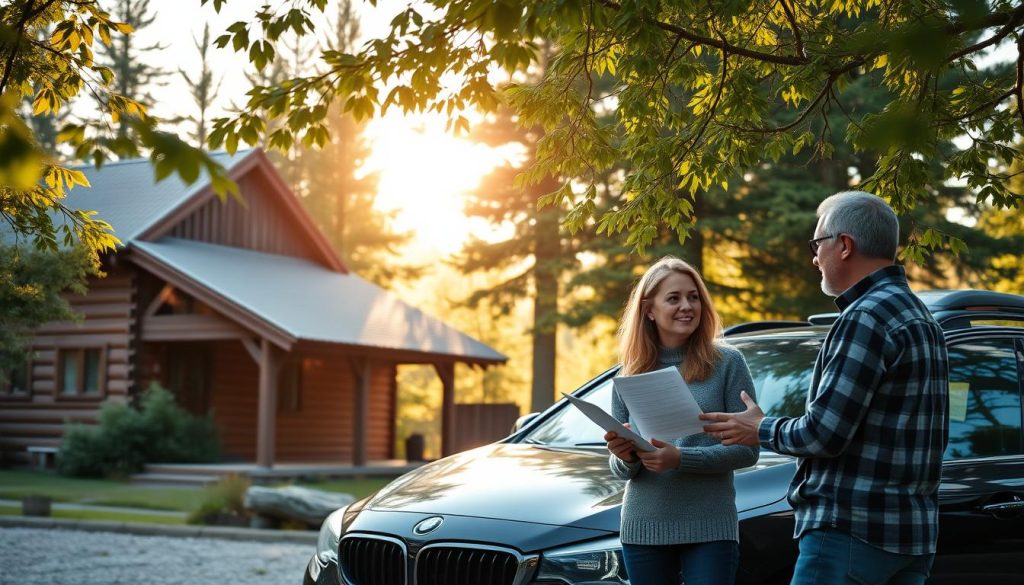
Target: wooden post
column 267, row 412
column 361, row 413
column 447, row 374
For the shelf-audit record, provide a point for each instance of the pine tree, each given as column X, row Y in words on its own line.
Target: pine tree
column 535, row 256
column 329, row 180
column 202, row 87
column 134, row 75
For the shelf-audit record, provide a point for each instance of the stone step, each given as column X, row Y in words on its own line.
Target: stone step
column 174, row 479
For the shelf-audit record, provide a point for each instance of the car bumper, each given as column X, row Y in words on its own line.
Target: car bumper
column 318, row 573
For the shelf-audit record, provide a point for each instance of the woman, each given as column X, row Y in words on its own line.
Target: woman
column 679, row 510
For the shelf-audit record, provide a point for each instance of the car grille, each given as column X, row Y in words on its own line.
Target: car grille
column 443, row 565
column 371, row 561
column 378, row 560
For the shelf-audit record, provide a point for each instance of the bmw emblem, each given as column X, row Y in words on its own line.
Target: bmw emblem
column 428, row 525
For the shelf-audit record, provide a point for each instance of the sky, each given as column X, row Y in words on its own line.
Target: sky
column 424, row 172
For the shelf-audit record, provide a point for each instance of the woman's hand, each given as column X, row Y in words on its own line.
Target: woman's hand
column 665, row 457
column 621, row 448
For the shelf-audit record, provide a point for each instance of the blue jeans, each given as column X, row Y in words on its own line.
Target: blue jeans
column 702, row 563
column 833, row 557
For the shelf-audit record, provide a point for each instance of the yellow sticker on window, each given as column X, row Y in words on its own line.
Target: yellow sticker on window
column 958, row 400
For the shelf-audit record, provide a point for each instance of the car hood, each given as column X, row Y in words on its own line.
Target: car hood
column 531, row 483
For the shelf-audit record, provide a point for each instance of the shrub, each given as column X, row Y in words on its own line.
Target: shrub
column 222, row 501
column 126, row 438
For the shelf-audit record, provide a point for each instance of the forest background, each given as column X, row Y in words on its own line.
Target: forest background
column 515, row 276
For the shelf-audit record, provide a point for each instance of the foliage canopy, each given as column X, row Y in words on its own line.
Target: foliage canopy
column 47, row 54
column 704, row 92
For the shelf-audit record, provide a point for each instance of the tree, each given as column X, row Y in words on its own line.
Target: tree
column 749, row 240
column 203, row 87
column 739, row 65
column 328, row 179
column 30, row 287
column 533, row 257
column 53, row 68
column 340, row 196
column 133, row 75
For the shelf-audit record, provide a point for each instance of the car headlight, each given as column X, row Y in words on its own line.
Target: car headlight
column 597, row 561
column 330, row 534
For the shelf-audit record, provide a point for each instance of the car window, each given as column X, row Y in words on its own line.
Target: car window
column 569, row 426
column 782, row 369
column 984, row 400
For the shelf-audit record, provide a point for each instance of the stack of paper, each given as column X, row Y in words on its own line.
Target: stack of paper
column 660, row 406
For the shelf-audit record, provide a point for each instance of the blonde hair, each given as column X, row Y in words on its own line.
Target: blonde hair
column 638, row 337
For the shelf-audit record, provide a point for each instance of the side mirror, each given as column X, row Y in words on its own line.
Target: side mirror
column 523, row 421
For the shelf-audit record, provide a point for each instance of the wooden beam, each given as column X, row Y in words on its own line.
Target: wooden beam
column 361, row 371
column 226, row 307
column 267, row 409
column 161, row 297
column 446, row 371
column 250, row 346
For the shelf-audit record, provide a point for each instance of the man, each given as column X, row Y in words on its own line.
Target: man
column 870, row 445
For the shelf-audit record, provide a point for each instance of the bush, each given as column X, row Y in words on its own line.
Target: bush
column 127, row 438
column 223, row 502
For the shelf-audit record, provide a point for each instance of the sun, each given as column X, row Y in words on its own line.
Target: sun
column 425, row 173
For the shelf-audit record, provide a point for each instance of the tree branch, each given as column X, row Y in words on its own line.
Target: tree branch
column 1012, row 19
column 796, row 30
column 1020, row 78
column 19, row 30
column 719, row 44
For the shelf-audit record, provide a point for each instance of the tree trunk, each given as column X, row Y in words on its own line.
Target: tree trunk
column 545, row 303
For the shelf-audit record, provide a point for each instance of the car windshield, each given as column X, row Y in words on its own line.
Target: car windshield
column 781, row 368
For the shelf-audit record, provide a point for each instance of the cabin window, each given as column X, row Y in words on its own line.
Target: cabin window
column 289, row 388
column 81, row 372
column 15, row 382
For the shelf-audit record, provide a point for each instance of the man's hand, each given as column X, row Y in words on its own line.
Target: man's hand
column 665, row 457
column 621, row 448
column 735, row 428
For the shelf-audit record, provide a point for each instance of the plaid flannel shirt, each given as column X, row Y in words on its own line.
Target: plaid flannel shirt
column 870, row 444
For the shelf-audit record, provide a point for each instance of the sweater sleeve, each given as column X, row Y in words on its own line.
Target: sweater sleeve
column 620, row 468
column 720, row 458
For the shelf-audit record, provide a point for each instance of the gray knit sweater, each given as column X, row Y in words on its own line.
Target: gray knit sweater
column 695, row 502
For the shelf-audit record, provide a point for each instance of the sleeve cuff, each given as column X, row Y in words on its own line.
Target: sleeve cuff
column 690, row 459
column 767, row 431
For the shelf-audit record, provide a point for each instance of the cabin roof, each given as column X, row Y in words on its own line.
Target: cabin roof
column 299, row 300
column 126, row 195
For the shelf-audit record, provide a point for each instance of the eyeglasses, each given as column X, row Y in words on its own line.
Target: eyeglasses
column 816, row 243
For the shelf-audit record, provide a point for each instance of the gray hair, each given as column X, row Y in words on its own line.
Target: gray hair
column 866, row 218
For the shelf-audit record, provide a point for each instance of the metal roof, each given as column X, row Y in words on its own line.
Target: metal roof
column 126, row 194
column 307, row 301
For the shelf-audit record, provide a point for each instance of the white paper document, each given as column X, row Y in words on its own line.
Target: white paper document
column 660, row 404
column 608, row 422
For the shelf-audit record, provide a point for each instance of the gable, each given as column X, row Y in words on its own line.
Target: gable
column 260, row 223
column 267, row 218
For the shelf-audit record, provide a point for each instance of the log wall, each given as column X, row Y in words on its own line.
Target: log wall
column 108, row 325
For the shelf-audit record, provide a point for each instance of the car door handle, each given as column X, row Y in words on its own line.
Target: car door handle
column 1011, row 507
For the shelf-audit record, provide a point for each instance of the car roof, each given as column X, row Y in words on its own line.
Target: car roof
column 954, row 309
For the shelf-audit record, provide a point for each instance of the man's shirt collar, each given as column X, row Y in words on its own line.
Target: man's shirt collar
column 893, row 272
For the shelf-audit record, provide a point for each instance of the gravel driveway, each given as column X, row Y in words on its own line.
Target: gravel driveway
column 72, row 557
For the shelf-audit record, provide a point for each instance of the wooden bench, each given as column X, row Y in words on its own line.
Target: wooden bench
column 42, row 456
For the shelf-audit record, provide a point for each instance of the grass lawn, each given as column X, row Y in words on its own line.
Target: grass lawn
column 15, row 485
column 100, row 515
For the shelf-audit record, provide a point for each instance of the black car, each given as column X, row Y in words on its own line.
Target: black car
column 541, row 507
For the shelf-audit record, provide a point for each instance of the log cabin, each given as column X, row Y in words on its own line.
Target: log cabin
column 243, row 310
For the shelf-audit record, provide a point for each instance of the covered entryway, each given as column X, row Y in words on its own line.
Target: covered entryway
column 302, row 359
